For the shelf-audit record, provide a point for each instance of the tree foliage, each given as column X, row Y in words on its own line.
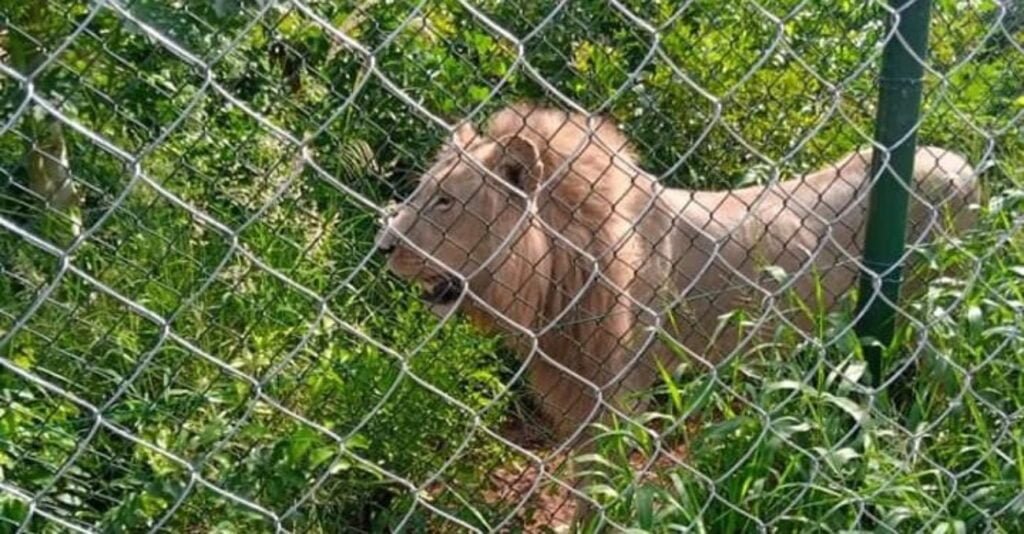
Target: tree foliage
column 215, row 297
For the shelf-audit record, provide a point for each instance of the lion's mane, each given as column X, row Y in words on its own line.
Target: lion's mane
column 576, row 267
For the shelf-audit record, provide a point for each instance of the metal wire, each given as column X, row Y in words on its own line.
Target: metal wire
column 209, row 315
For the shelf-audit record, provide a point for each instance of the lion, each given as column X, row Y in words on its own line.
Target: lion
column 544, row 227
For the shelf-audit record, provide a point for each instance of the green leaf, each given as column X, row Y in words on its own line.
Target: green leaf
column 839, row 457
column 794, row 385
column 300, row 442
column 645, row 507
column 478, row 93
column 675, row 395
column 974, row 317
column 786, row 427
column 320, row 455
column 595, row 458
column 858, row 413
column 950, row 527
column 602, row 490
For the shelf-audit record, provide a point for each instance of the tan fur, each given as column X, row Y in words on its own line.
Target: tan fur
column 588, row 264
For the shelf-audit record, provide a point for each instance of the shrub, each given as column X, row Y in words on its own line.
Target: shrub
column 204, row 340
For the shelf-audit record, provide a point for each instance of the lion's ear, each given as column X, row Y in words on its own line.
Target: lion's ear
column 463, row 135
column 519, row 162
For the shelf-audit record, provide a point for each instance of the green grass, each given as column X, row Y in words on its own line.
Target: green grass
column 254, row 391
column 791, row 435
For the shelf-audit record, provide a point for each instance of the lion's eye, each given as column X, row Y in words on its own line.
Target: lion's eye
column 443, row 202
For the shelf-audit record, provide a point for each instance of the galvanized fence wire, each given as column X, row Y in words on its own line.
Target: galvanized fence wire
column 199, row 328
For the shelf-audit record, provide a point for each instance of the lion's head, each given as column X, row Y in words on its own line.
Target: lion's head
column 494, row 208
column 529, row 226
column 465, row 216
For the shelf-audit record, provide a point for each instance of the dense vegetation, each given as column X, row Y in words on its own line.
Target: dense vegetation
column 200, row 338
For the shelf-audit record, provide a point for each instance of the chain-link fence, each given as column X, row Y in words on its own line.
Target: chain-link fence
column 597, row 298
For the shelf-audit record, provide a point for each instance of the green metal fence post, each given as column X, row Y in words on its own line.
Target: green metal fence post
column 899, row 101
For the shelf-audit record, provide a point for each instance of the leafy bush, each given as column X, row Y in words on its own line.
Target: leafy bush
column 203, row 339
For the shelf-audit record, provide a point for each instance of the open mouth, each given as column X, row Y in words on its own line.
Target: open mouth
column 445, row 291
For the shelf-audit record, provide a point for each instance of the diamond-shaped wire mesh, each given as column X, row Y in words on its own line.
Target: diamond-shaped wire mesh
column 445, row 265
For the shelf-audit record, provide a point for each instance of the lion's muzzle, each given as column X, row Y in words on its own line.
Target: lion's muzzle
column 437, row 289
column 445, row 291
